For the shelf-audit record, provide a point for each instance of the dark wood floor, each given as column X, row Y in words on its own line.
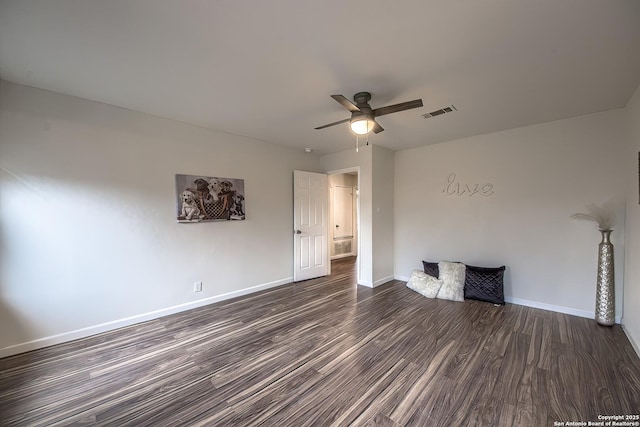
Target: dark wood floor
column 326, row 352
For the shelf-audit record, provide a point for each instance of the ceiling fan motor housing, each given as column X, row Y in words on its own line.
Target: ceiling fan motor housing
column 362, row 102
column 362, row 98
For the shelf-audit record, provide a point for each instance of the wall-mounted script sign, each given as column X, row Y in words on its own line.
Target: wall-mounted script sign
column 456, row 188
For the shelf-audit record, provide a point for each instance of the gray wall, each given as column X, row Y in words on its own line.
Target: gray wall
column 529, row 181
column 631, row 319
column 87, row 217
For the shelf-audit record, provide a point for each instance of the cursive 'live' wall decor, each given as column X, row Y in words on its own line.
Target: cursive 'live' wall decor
column 456, row 188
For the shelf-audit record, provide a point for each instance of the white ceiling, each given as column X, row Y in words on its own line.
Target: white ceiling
column 265, row 68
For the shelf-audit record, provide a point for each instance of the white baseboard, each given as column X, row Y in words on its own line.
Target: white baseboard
column 382, row 281
column 366, row 283
column 634, row 344
column 556, row 308
column 540, row 305
column 128, row 321
column 378, row 282
column 549, row 307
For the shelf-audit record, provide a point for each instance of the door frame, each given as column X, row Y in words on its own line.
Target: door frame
column 340, row 172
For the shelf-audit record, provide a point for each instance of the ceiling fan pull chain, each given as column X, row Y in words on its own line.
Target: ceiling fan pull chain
column 356, row 143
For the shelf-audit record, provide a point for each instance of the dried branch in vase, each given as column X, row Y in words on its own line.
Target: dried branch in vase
column 601, row 215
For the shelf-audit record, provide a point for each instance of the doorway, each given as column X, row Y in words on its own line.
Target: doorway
column 344, row 214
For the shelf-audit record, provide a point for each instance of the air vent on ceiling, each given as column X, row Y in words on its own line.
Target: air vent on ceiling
column 440, row 112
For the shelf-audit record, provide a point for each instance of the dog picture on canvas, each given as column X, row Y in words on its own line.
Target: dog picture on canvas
column 209, row 198
column 190, row 210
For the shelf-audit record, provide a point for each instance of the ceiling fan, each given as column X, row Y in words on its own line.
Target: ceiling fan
column 362, row 118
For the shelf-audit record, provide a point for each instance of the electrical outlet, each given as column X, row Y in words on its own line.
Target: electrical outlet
column 197, row 287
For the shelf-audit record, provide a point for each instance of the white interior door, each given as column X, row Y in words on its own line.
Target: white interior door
column 310, row 225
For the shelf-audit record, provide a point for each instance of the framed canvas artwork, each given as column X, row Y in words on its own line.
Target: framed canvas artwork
column 209, row 198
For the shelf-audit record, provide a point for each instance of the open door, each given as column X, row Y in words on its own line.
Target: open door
column 310, row 225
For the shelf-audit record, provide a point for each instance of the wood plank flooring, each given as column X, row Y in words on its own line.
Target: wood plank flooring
column 327, row 352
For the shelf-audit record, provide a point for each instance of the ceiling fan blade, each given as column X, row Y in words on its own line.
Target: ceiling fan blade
column 346, row 103
column 377, row 128
column 333, row 124
column 416, row 103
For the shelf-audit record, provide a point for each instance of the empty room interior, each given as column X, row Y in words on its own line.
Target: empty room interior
column 331, row 213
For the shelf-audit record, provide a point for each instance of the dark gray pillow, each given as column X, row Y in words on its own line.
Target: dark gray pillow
column 484, row 284
column 431, row 268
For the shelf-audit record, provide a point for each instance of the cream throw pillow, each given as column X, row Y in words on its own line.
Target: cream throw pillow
column 452, row 275
column 424, row 284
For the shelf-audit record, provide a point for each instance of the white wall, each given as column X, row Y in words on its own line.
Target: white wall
column 631, row 319
column 375, row 165
column 537, row 176
column 362, row 160
column 88, row 236
column 383, row 199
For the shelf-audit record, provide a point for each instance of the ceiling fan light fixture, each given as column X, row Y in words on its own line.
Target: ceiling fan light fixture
column 362, row 125
column 362, row 120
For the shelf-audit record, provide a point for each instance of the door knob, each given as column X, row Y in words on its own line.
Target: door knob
column 298, row 232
